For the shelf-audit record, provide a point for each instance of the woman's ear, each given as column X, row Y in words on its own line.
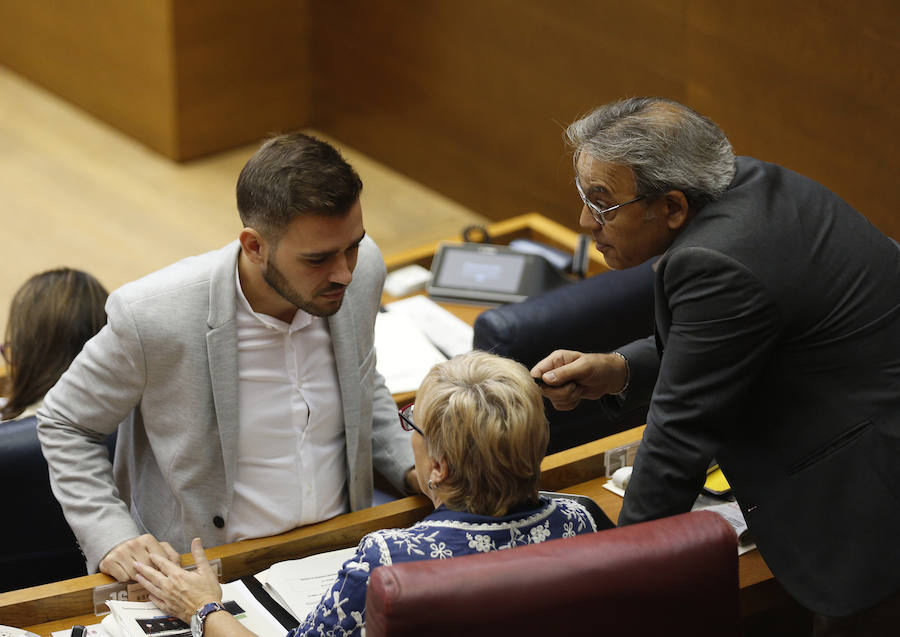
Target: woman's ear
column 439, row 470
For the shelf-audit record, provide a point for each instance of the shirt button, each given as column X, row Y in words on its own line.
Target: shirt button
column 219, row 521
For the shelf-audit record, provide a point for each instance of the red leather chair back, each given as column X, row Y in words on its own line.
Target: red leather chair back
column 678, row 575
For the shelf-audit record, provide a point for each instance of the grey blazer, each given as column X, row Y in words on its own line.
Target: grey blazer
column 777, row 351
column 164, row 371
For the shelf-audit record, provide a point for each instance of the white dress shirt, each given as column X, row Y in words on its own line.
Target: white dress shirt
column 292, row 467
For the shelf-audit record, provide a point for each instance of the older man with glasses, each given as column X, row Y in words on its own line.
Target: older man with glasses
column 776, row 351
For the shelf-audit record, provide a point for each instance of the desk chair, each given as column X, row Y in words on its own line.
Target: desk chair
column 36, row 544
column 678, row 575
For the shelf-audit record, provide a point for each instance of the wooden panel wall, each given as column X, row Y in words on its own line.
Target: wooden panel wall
column 112, row 58
column 185, row 77
column 243, row 71
column 471, row 98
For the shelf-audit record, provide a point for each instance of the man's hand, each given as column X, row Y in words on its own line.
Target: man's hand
column 120, row 561
column 570, row 376
column 176, row 591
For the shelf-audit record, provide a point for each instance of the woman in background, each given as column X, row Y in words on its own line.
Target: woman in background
column 51, row 317
column 479, row 435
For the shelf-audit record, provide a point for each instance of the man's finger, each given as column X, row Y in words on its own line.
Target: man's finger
column 114, row 569
column 163, row 564
column 562, row 375
column 554, row 360
column 565, row 397
column 171, row 553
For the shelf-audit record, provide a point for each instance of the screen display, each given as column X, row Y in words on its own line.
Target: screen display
column 471, row 270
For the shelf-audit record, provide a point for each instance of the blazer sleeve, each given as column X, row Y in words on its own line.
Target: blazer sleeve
column 391, row 450
column 643, row 368
column 724, row 326
column 392, row 454
column 96, row 393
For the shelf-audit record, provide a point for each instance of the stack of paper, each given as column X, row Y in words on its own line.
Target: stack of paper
column 299, row 585
column 296, row 585
column 445, row 330
column 404, row 354
column 144, row 619
column 411, row 336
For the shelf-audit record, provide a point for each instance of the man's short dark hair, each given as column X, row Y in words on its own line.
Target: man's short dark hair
column 291, row 175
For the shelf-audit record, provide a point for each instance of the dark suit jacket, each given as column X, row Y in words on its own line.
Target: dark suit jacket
column 777, row 352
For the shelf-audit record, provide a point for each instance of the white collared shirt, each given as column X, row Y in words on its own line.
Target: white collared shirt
column 292, row 463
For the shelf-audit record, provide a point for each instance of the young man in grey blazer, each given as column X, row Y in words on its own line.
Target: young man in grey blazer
column 776, row 350
column 242, row 382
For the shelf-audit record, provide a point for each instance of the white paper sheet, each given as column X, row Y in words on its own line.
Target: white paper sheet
column 404, row 354
column 298, row 585
column 447, row 331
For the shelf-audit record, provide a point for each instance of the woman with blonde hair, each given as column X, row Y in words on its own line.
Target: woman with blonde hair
column 51, row 317
column 479, row 437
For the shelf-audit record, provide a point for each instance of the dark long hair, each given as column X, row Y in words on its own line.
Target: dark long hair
column 51, row 317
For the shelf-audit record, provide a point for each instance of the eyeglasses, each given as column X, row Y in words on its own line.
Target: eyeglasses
column 601, row 215
column 406, row 419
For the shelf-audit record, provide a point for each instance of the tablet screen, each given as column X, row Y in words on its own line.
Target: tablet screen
column 467, row 269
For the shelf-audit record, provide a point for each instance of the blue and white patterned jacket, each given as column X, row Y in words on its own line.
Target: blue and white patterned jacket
column 443, row 534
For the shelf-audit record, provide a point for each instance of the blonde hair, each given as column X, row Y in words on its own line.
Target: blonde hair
column 485, row 416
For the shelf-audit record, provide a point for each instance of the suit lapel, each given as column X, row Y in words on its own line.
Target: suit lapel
column 346, row 358
column 661, row 314
column 221, row 344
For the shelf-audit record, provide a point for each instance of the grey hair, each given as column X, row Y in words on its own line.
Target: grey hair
column 667, row 145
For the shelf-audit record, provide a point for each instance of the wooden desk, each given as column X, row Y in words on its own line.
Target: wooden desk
column 44, row 609
column 70, row 601
column 528, row 226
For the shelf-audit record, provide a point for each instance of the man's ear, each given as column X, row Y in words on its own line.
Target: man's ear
column 254, row 245
column 677, row 209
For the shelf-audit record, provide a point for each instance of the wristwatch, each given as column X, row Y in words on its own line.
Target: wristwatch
column 198, row 619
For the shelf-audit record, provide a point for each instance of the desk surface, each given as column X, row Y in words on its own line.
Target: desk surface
column 43, row 609
column 528, row 226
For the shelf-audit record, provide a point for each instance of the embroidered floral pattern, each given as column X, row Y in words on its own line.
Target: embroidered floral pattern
column 440, row 551
column 441, row 535
column 575, row 512
column 481, row 543
column 540, row 533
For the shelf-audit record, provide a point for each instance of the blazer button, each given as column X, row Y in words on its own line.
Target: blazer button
column 219, row 521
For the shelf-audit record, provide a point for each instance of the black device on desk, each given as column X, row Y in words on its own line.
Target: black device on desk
column 487, row 273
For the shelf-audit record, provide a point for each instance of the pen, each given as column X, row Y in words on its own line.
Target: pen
column 539, row 381
column 77, row 631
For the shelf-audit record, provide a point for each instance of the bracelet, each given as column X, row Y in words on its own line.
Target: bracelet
column 627, row 373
